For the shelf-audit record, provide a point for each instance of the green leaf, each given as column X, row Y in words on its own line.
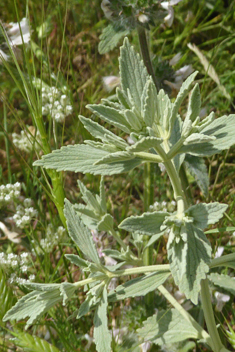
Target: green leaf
column 224, row 281
column 184, row 90
column 206, row 214
column 102, row 335
column 34, row 305
column 133, row 73
column 7, row 297
column 80, row 233
column 174, row 138
column 167, row 327
column 189, row 258
column 196, row 166
column 106, row 223
column 31, row 343
column 223, row 129
column 81, row 158
column 115, row 157
column 110, row 115
column 147, row 223
column 102, row 133
column 149, row 100
column 75, row 259
column 139, row 286
column 144, row 143
column 89, row 198
column 110, row 37
column 226, row 260
column 153, row 239
column 194, row 105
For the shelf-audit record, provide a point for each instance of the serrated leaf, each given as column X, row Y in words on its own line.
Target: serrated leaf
column 102, row 133
column 110, row 115
column 194, row 105
column 110, row 37
column 223, row 129
column 66, row 290
column 147, row 223
column 145, row 143
column 102, row 335
column 224, row 281
column 75, row 259
column 197, row 168
column 85, row 306
column 80, row 233
column 106, row 223
column 167, row 327
column 89, row 198
column 139, row 286
column 31, row 343
column 174, row 138
column 34, row 305
column 133, row 73
column 81, row 158
column 123, row 99
column 189, row 259
column 115, row 157
column 196, row 138
column 206, row 214
column 149, row 103
column 184, row 90
column 89, row 218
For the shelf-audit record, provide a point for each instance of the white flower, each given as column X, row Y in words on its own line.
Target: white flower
column 167, row 5
column 12, row 236
column 110, row 82
column 145, row 347
column 14, row 32
column 219, row 252
column 221, row 299
column 143, row 18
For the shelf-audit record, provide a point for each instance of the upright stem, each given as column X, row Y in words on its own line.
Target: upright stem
column 146, row 56
column 217, row 345
column 7, row 142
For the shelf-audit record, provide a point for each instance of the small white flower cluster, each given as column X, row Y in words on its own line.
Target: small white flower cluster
column 9, row 192
column 24, row 213
column 25, row 141
column 163, row 206
column 13, row 261
column 56, row 103
column 52, row 239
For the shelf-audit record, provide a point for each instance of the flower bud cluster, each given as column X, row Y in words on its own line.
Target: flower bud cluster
column 19, row 264
column 26, row 141
column 9, row 192
column 56, row 103
column 52, row 239
column 24, row 214
column 163, row 206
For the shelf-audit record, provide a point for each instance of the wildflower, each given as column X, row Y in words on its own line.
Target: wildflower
column 15, row 30
column 167, row 5
column 145, row 347
column 221, row 299
column 111, row 82
column 27, row 141
column 219, row 252
column 12, row 236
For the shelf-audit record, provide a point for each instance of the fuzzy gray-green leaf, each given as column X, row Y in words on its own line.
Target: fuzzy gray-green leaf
column 167, row 327
column 144, row 143
column 31, row 343
column 80, row 233
column 110, row 37
column 149, row 103
column 102, row 335
column 184, row 90
column 189, row 259
column 81, row 158
column 147, row 223
column 115, row 157
column 224, row 281
column 110, row 115
column 133, row 73
column 139, row 286
column 75, row 259
column 206, row 214
column 197, row 168
column 194, row 105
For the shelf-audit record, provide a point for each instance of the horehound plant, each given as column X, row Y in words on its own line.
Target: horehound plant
column 158, row 134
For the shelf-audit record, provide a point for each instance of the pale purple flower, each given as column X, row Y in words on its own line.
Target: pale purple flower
column 221, row 299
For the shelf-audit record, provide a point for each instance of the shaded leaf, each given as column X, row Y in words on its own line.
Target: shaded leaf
column 110, row 37
column 31, row 343
column 80, row 233
column 102, row 335
column 189, row 259
column 206, row 214
column 139, row 286
column 167, row 327
column 224, row 281
column 145, row 143
column 196, row 166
